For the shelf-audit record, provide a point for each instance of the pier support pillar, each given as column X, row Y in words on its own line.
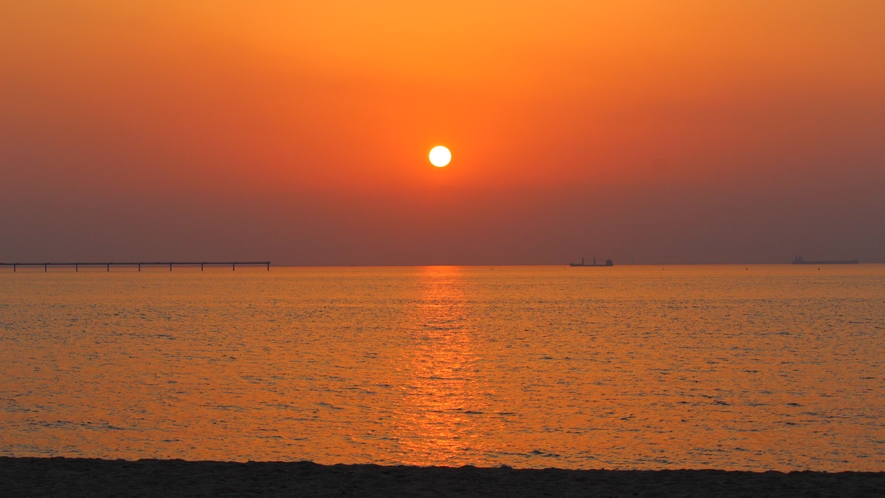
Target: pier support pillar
column 139, row 267
column 233, row 266
column 45, row 268
column 76, row 267
column 109, row 267
column 201, row 266
column 170, row 266
column 268, row 266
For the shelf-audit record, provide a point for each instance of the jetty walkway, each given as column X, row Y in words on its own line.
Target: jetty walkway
column 139, row 264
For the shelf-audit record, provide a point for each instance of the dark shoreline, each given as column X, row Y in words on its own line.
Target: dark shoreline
column 93, row 477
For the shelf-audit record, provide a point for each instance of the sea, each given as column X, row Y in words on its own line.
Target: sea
column 763, row 367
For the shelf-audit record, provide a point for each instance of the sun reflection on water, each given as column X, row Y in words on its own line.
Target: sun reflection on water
column 443, row 399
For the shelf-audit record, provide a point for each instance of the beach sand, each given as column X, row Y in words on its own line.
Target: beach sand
column 91, row 477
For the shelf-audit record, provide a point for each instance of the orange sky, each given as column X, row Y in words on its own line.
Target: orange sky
column 339, row 100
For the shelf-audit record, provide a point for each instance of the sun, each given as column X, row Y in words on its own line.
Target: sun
column 440, row 156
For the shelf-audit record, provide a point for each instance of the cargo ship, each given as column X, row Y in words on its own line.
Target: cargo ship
column 608, row 262
column 800, row 261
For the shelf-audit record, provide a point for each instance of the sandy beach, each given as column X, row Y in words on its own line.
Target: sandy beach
column 92, row 477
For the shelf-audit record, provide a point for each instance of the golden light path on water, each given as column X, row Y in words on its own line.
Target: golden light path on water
column 438, row 421
column 760, row 367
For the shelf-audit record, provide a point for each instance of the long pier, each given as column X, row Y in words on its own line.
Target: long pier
column 139, row 264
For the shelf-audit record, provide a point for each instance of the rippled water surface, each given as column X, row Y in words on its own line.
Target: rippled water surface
column 759, row 367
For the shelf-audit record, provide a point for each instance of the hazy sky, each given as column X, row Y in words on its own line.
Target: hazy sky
column 645, row 131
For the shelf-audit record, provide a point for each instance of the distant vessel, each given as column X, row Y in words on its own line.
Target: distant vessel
column 608, row 262
column 799, row 261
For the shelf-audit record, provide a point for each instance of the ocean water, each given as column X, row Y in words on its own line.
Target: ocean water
column 642, row 367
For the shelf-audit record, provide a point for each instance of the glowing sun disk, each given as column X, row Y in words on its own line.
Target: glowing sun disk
column 440, row 156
